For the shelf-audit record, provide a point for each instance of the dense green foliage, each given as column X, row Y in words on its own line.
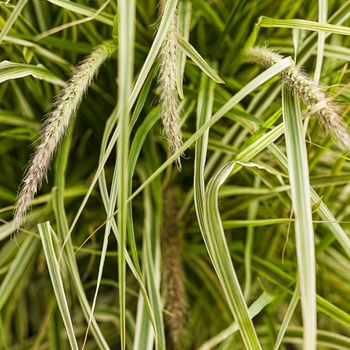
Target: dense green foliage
column 237, row 225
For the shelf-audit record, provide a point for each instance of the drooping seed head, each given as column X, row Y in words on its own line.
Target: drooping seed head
column 55, row 126
column 306, row 89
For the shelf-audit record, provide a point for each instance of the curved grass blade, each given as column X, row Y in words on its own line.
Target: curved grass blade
column 321, row 40
column 302, row 24
column 192, row 53
column 204, row 110
column 219, row 253
column 11, row 70
column 54, row 271
column 84, row 10
column 258, row 305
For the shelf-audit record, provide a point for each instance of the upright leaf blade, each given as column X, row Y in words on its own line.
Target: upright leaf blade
column 56, row 279
column 299, row 183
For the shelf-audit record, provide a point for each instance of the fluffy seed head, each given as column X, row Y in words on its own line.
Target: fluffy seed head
column 56, row 124
column 174, row 289
column 168, row 96
column 305, row 88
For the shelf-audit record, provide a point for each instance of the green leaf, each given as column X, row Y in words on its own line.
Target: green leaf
column 83, row 10
column 120, row 181
column 214, row 237
column 254, row 310
column 57, row 283
column 304, row 234
column 302, row 24
column 12, row 70
column 115, row 27
column 198, row 59
column 184, row 20
column 12, row 19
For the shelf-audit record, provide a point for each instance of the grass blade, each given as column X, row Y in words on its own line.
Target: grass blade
column 303, row 24
column 56, row 279
column 125, row 77
column 254, row 310
column 12, row 19
column 12, row 70
column 84, row 10
column 246, row 90
column 299, row 183
column 17, row 268
column 198, row 59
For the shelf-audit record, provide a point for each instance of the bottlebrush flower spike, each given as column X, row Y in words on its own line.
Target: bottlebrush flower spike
column 56, row 124
column 168, row 96
column 175, row 299
column 306, row 89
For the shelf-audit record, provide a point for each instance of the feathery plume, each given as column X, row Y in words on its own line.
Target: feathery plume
column 65, row 106
column 306, row 89
column 174, row 289
column 168, row 96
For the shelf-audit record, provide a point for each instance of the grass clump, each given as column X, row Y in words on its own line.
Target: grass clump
column 247, row 247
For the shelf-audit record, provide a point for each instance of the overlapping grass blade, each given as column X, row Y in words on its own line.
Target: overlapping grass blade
column 84, row 10
column 254, row 310
column 144, row 334
column 57, row 283
column 12, row 19
column 329, row 220
column 17, row 268
column 219, row 253
column 246, row 90
column 198, row 59
column 146, row 68
column 285, row 324
column 63, row 233
column 185, row 12
column 151, row 259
